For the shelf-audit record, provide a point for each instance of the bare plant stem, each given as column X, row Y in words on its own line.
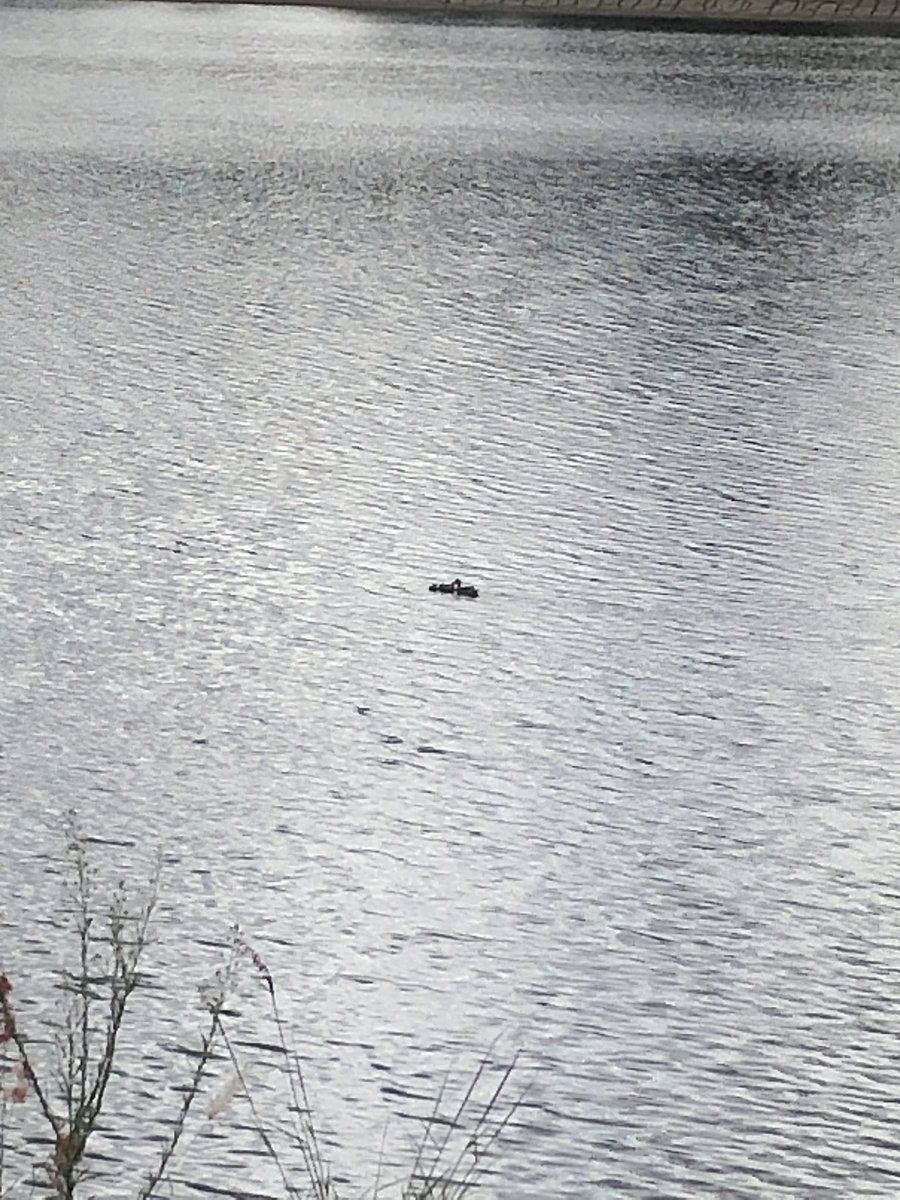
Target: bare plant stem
column 87, row 1047
column 437, row 1173
column 2, row 1129
column 259, row 1124
column 190, row 1095
column 450, row 1177
column 100, row 989
column 304, row 1131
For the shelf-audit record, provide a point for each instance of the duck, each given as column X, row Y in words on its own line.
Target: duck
column 456, row 588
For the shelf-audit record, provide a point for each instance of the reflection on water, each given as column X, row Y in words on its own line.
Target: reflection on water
column 303, row 310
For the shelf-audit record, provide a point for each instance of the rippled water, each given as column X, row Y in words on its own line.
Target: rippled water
column 303, row 310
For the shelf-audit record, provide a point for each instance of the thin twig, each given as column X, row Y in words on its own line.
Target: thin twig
column 260, row 1127
column 191, row 1093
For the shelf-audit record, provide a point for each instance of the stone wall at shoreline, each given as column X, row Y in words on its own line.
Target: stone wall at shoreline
column 853, row 16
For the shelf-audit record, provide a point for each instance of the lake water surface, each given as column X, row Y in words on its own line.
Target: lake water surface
column 302, row 310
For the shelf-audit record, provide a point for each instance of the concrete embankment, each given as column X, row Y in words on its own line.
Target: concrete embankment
column 862, row 17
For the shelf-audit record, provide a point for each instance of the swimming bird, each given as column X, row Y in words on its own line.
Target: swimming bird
column 442, row 587
column 468, row 590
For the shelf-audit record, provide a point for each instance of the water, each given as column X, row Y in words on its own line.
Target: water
column 303, row 310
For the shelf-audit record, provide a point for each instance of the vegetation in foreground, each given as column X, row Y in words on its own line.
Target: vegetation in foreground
column 67, row 1086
